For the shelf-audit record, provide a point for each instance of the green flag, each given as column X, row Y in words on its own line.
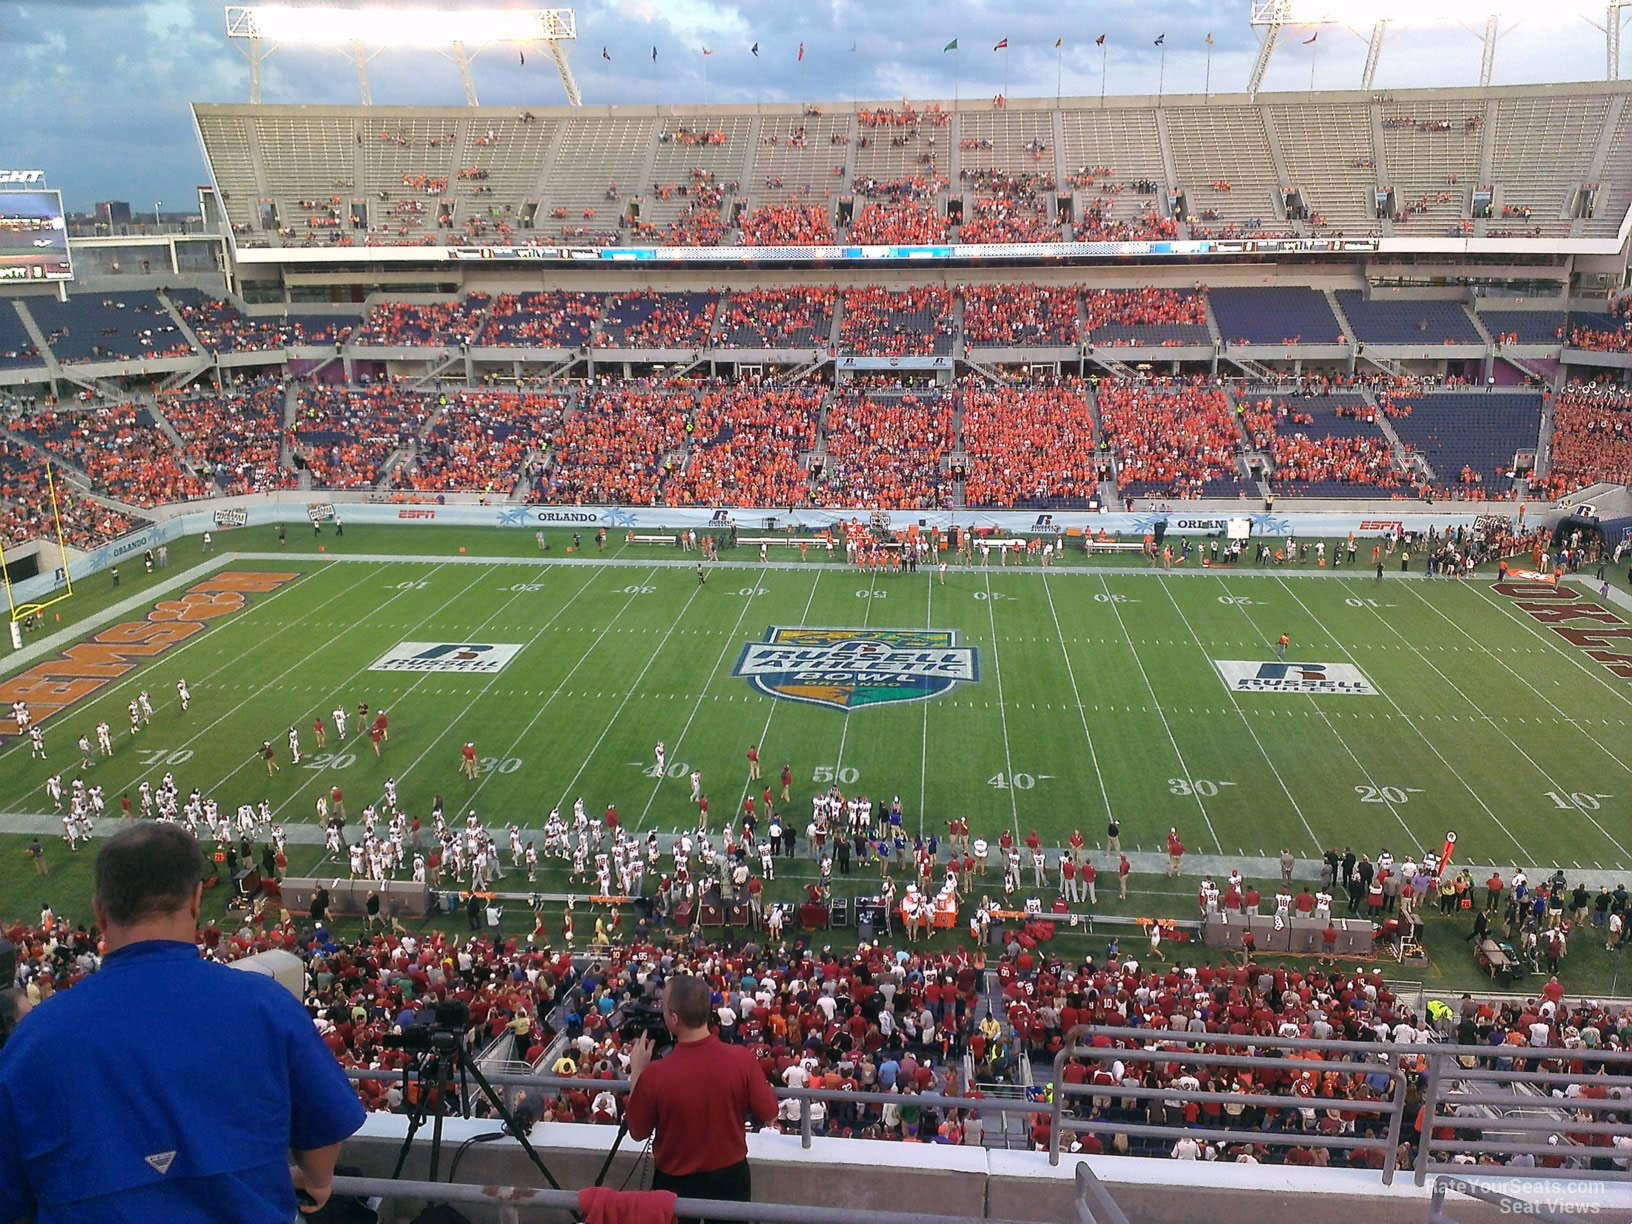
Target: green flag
column 951, row 46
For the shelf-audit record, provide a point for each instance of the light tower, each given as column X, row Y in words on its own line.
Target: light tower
column 1486, row 20
column 361, row 34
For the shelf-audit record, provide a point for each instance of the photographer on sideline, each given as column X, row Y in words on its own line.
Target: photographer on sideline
column 165, row 1087
column 697, row 1098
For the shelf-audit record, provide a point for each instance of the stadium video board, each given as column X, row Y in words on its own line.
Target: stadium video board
column 33, row 237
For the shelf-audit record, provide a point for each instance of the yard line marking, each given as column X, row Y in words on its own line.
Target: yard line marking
column 96, row 624
column 482, row 692
column 1071, row 671
column 256, row 691
column 730, row 639
column 1422, row 736
column 1546, row 775
column 611, row 722
column 1149, row 688
column 1552, row 645
column 997, row 670
column 1245, row 721
column 765, row 731
column 1364, row 773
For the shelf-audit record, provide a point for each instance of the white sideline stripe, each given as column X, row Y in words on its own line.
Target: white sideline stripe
column 1422, row 734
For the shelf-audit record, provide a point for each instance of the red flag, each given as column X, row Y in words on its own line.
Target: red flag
column 706, row 51
column 1002, row 46
column 801, row 53
column 1100, row 41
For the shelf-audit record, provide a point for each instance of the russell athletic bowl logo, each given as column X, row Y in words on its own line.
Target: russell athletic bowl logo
column 852, row 669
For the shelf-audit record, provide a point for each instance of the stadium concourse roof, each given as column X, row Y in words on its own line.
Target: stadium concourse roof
column 309, row 184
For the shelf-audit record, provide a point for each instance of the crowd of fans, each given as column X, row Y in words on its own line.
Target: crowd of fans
column 345, row 435
column 1020, row 314
column 1302, row 455
column 1174, row 433
column 898, row 323
column 744, row 443
column 789, row 224
column 901, row 222
column 1592, row 436
column 26, row 507
column 1148, row 307
column 479, row 442
column 886, row 449
column 617, row 447
column 552, row 319
column 648, row 319
column 222, row 328
column 436, row 324
column 236, row 435
column 1099, row 223
column 1034, row 444
column 120, row 447
column 778, row 318
column 1617, row 339
column 1009, row 219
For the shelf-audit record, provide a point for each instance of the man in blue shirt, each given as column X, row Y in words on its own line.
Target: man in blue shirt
column 165, row 1087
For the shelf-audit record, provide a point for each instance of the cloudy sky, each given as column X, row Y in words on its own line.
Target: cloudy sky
column 95, row 92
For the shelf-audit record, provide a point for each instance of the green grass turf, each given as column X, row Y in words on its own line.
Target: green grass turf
column 1097, row 691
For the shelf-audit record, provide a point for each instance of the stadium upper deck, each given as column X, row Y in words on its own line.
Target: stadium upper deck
column 1412, row 169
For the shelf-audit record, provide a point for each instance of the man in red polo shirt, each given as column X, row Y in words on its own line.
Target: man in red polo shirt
column 696, row 1099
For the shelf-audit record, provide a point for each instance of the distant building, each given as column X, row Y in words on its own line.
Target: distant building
column 113, row 212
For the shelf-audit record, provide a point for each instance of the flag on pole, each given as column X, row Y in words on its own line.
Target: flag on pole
column 1311, row 38
column 1208, row 40
column 1100, row 41
column 654, row 55
column 1161, row 40
column 1002, row 46
column 852, row 48
column 755, row 50
column 802, row 52
column 951, row 46
column 605, row 56
column 1058, row 43
column 523, row 55
column 706, row 51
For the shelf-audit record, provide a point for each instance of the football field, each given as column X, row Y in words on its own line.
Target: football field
column 1018, row 698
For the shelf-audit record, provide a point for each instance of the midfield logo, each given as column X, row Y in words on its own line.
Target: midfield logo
column 1334, row 679
column 469, row 658
column 850, row 669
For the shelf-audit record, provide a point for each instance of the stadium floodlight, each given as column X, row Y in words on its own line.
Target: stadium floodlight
column 1484, row 18
column 457, row 33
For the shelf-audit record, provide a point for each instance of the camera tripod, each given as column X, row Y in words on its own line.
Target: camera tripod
column 437, row 1068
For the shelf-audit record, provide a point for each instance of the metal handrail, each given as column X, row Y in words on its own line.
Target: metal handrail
column 537, row 1198
column 1370, row 1058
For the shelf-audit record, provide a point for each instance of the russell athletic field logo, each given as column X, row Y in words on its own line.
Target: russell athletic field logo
column 467, row 658
column 852, row 669
column 1335, row 679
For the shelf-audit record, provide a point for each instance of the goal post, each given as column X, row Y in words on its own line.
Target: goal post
column 20, row 612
